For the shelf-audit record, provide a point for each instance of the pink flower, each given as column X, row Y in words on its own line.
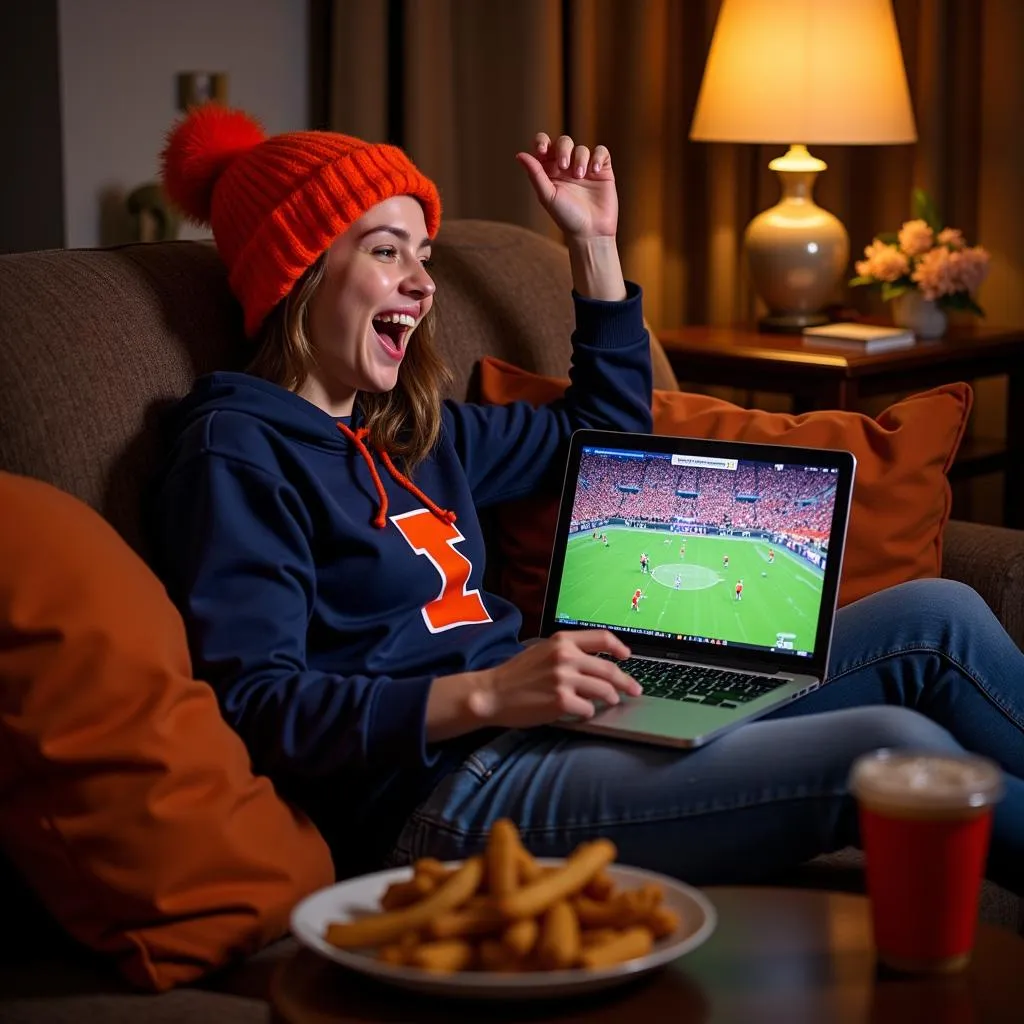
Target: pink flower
column 971, row 268
column 916, row 237
column 936, row 275
column 939, row 263
column 884, row 262
column 952, row 237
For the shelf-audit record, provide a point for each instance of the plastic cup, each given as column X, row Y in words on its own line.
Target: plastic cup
column 925, row 822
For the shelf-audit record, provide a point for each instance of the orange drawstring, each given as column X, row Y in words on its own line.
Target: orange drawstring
column 356, row 437
column 443, row 514
column 380, row 521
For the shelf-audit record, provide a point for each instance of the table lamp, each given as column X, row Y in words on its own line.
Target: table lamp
column 799, row 72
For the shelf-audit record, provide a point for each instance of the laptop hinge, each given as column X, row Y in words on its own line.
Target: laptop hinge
column 764, row 666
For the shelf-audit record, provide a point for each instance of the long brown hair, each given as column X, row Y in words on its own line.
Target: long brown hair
column 405, row 421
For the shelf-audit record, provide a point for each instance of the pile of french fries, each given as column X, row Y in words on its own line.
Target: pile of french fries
column 503, row 911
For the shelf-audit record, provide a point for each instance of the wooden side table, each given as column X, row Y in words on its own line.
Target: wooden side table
column 823, row 378
column 777, row 955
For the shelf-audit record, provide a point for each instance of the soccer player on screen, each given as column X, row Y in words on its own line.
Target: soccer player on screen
column 678, row 584
column 739, row 590
column 771, row 556
column 644, row 561
column 637, row 594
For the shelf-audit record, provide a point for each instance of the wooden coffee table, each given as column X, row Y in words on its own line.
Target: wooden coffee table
column 777, row 955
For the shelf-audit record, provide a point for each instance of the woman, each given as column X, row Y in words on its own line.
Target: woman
column 317, row 527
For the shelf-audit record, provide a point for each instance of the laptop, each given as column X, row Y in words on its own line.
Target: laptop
column 716, row 562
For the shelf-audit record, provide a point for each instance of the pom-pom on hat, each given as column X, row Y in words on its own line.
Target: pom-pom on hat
column 276, row 203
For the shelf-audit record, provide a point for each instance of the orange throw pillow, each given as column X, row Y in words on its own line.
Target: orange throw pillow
column 126, row 801
column 901, row 495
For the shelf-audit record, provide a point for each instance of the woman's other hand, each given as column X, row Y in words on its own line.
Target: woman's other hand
column 553, row 678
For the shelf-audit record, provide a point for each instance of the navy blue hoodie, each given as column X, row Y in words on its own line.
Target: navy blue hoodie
column 320, row 622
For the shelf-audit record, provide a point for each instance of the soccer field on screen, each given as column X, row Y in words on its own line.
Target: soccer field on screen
column 598, row 583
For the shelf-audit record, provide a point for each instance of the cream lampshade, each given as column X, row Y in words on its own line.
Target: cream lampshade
column 799, row 72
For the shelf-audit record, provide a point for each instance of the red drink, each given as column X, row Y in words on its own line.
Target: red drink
column 925, row 822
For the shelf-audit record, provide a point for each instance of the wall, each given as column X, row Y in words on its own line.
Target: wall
column 118, row 62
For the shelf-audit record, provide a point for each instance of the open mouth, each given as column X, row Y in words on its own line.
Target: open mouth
column 392, row 330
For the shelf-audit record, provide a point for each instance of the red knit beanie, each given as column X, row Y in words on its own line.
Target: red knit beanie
column 275, row 204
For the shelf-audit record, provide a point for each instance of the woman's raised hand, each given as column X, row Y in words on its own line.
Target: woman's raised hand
column 576, row 186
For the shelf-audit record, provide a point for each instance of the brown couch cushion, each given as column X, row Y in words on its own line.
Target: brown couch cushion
column 93, row 345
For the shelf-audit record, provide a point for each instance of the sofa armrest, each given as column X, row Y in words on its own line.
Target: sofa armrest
column 991, row 560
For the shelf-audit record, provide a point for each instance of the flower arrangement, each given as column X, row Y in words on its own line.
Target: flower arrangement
column 926, row 255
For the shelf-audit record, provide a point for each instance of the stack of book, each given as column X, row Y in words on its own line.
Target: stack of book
column 859, row 337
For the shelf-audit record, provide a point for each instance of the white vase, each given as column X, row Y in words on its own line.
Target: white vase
column 918, row 314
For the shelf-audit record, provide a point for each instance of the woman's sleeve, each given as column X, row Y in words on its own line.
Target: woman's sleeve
column 235, row 556
column 511, row 450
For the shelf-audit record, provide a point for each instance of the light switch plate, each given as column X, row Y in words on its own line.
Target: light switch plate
column 198, row 87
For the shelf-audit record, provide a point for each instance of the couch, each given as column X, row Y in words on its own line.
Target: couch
column 95, row 344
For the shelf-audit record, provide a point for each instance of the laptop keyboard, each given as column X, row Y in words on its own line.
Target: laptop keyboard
column 697, row 684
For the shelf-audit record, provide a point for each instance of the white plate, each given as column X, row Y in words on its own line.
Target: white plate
column 357, row 896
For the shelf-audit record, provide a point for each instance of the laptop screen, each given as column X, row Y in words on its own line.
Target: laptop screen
column 698, row 548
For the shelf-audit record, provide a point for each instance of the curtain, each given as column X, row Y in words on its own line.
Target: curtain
column 463, row 84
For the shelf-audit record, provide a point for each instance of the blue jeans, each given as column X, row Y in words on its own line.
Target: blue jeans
column 924, row 665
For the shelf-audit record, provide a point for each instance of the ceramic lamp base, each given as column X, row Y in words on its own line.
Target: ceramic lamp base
column 790, row 323
column 796, row 251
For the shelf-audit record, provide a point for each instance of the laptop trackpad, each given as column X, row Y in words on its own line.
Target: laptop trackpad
column 660, row 716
